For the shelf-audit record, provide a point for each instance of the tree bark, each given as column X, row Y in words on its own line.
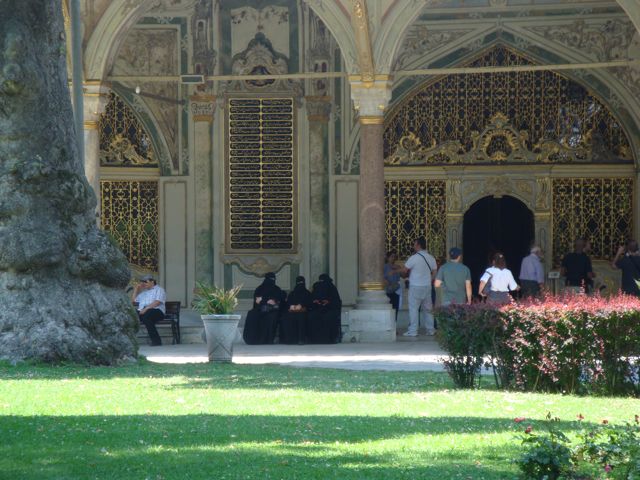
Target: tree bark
column 61, row 279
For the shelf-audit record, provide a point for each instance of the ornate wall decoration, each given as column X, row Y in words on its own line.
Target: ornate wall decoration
column 130, row 215
column 272, row 21
column 420, row 39
column 608, row 40
column 123, row 140
column 600, row 209
column 204, row 56
column 549, row 114
column 415, row 208
column 261, row 181
column 260, row 58
column 319, row 57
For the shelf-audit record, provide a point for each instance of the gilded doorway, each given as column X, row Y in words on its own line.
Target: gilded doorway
column 493, row 224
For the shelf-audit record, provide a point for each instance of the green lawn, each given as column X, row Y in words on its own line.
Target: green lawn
column 265, row 422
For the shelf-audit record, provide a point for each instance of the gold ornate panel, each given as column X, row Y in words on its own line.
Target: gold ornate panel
column 130, row 215
column 123, row 140
column 415, row 208
column 600, row 209
column 512, row 116
column 261, row 180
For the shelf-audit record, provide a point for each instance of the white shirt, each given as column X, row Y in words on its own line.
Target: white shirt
column 147, row 297
column 420, row 275
column 501, row 280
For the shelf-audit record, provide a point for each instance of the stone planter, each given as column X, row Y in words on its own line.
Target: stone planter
column 220, row 331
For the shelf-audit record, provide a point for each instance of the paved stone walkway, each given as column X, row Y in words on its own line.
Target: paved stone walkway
column 404, row 355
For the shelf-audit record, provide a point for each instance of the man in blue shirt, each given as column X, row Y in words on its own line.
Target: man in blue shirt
column 532, row 273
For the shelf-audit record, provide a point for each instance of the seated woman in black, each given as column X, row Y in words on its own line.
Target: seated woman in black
column 293, row 324
column 324, row 318
column 262, row 320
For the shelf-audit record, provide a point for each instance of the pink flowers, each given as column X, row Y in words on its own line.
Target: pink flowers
column 607, row 468
column 519, row 419
column 529, row 429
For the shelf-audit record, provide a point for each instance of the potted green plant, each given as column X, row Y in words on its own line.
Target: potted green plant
column 216, row 306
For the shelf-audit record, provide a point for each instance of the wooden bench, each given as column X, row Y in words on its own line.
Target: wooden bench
column 171, row 317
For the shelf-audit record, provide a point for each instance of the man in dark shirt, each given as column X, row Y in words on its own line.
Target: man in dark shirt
column 576, row 267
column 627, row 259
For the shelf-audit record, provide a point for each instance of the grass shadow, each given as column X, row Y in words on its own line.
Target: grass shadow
column 256, row 446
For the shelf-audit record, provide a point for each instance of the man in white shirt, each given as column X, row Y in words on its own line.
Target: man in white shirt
column 151, row 309
column 422, row 268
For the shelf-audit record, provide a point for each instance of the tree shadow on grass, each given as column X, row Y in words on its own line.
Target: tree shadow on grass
column 257, row 446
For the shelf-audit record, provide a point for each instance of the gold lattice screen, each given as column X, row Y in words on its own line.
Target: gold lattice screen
column 415, row 208
column 599, row 209
column 541, row 104
column 130, row 215
column 261, row 175
column 123, row 140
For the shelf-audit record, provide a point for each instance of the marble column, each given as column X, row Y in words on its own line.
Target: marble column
column 373, row 318
column 318, row 110
column 202, row 108
column 95, row 98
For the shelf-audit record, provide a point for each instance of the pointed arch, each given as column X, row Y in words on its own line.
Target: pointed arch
column 117, row 20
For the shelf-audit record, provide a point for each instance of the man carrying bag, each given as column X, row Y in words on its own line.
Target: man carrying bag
column 421, row 268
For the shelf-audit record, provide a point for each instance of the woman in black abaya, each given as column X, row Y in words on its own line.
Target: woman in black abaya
column 262, row 320
column 293, row 324
column 324, row 318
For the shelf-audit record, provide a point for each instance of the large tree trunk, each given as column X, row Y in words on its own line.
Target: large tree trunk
column 61, row 279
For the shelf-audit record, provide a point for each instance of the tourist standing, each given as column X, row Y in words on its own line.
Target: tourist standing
column 576, row 268
column 532, row 273
column 627, row 259
column 455, row 280
column 497, row 281
column 421, row 268
column 392, row 280
column 151, row 309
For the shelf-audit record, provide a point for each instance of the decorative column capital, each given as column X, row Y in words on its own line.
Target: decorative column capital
column 318, row 108
column 95, row 98
column 370, row 99
column 203, row 108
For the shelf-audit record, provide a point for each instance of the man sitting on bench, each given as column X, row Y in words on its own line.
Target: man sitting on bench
column 150, row 299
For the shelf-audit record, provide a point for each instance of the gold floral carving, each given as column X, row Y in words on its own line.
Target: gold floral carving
column 454, row 199
column 543, row 193
column 499, row 142
column 360, row 23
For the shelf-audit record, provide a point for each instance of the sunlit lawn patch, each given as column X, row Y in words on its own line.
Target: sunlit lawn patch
column 245, row 422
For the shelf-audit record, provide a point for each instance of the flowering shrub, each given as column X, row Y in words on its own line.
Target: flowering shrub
column 615, row 449
column 571, row 343
column 547, row 455
column 602, row 451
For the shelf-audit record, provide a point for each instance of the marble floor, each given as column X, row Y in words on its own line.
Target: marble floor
column 406, row 354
